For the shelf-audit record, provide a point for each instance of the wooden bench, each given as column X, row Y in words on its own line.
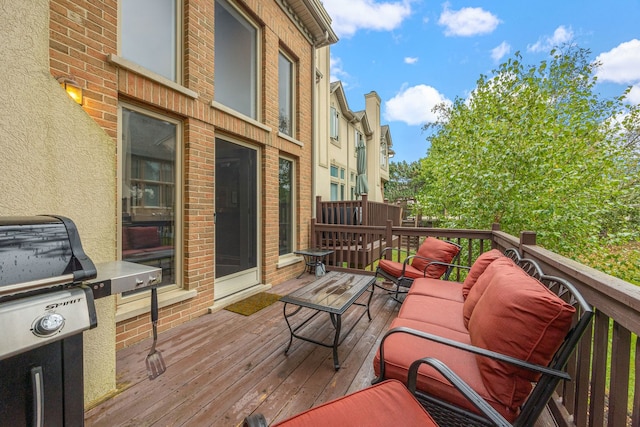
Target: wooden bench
column 489, row 351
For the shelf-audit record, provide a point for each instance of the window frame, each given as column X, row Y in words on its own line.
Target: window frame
column 255, row 87
column 339, row 180
column 334, row 123
column 383, row 153
column 178, row 48
column 292, row 206
column 178, row 184
column 292, row 92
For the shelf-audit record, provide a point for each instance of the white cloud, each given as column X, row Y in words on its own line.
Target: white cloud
column 336, row 72
column 498, row 52
column 410, row 60
column 414, row 105
column 561, row 35
column 621, row 64
column 353, row 15
column 634, row 95
column 468, row 21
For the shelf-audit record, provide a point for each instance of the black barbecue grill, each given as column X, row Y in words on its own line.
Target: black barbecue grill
column 47, row 288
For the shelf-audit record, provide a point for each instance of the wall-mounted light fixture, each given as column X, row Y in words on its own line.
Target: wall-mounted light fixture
column 72, row 88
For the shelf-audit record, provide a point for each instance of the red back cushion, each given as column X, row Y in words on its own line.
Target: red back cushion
column 478, row 268
column 144, row 237
column 502, row 265
column 519, row 317
column 435, row 250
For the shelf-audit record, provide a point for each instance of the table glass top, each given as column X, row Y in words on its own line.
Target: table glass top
column 313, row 252
column 334, row 292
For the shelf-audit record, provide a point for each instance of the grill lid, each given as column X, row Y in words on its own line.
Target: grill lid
column 41, row 251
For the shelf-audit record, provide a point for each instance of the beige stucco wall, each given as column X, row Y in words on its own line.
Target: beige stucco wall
column 56, row 159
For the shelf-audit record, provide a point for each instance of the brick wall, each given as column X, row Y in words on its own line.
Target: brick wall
column 82, row 35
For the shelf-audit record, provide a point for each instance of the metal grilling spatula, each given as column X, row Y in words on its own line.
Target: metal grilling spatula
column 154, row 361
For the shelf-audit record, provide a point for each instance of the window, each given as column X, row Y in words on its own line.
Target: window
column 337, row 182
column 334, row 191
column 355, row 142
column 236, row 59
column 286, row 211
column 333, row 124
column 285, row 95
column 149, row 35
column 383, row 152
column 150, row 181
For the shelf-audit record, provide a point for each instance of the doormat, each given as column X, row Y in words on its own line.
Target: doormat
column 253, row 304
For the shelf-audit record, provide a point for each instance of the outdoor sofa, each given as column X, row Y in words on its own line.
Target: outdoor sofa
column 489, row 351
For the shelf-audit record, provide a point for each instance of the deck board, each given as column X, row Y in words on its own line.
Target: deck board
column 224, row 366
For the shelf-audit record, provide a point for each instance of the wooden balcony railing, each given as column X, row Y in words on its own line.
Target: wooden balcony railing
column 357, row 212
column 604, row 390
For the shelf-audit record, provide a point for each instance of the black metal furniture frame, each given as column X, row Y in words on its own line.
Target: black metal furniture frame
column 450, row 415
column 335, row 313
column 312, row 259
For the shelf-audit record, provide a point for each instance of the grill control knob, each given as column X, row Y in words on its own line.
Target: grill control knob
column 48, row 324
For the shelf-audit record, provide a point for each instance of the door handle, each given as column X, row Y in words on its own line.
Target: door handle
column 37, row 385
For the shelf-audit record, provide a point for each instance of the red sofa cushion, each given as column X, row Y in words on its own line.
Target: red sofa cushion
column 400, row 350
column 478, row 267
column 435, row 250
column 503, row 265
column 436, row 311
column 387, row 404
column 537, row 320
column 437, row 288
column 394, row 268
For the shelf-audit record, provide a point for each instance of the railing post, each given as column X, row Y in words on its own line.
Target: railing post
column 526, row 238
column 319, row 208
column 365, row 209
column 389, row 234
column 494, row 227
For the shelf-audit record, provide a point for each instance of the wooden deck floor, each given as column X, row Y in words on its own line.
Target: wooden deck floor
column 224, row 366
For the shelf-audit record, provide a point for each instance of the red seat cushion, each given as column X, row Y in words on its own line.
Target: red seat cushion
column 437, row 288
column 386, row 404
column 434, row 250
column 394, row 268
column 478, row 267
column 502, row 266
column 517, row 316
column 400, row 350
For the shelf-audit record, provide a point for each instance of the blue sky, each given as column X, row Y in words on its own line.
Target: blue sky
column 418, row 53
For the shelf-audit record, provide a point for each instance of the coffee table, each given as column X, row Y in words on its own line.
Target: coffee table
column 334, row 293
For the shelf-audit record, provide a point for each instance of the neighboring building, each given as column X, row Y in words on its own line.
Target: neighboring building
column 336, row 156
column 192, row 145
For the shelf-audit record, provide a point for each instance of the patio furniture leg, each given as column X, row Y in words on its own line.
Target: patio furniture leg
column 337, row 322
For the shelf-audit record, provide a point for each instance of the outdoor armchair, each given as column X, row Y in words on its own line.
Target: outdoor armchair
column 435, row 259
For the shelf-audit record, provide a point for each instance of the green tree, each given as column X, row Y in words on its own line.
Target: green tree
column 405, row 181
column 534, row 148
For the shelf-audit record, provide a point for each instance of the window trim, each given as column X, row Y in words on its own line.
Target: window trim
column 334, row 123
column 257, row 99
column 127, row 306
column 292, row 93
column 294, row 218
column 179, row 61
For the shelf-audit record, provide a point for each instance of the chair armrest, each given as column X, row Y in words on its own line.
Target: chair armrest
column 448, row 265
column 383, row 254
column 464, row 388
column 255, row 420
column 544, row 370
